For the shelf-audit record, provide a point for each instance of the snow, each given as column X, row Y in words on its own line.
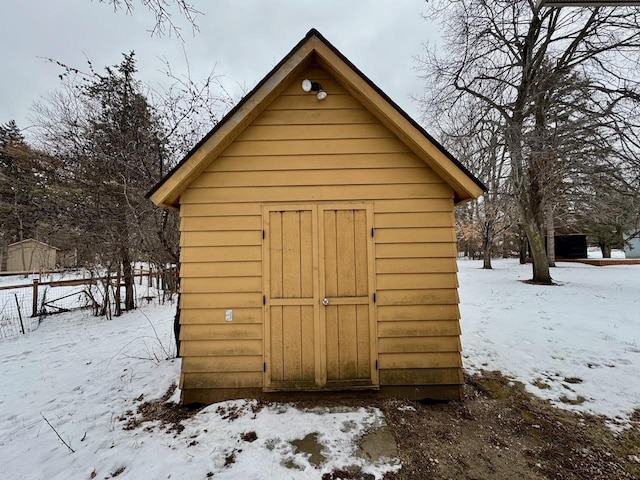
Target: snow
column 82, row 374
column 580, row 338
column 595, row 252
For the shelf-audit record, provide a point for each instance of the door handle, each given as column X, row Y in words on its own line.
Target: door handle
column 325, row 302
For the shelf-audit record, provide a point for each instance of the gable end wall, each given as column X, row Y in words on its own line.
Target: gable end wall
column 301, row 150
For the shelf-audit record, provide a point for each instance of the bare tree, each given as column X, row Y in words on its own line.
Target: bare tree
column 515, row 58
column 474, row 134
column 115, row 139
column 162, row 11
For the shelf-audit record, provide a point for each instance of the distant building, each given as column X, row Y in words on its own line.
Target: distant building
column 571, row 246
column 632, row 247
column 31, row 255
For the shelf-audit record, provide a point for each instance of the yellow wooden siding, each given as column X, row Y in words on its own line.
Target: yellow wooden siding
column 416, row 250
column 413, row 220
column 418, row 328
column 203, row 316
column 220, row 300
column 388, row 313
column 419, row 344
column 406, row 281
column 191, row 380
column 223, row 363
column 221, row 284
column 221, row 269
column 416, row 265
column 353, row 176
column 418, row 297
column 374, row 160
column 215, row 210
column 309, row 192
column 421, row 376
column 302, row 151
column 303, row 132
column 419, row 360
column 220, row 223
column 226, row 331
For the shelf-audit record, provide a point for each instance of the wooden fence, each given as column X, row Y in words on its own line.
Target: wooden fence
column 23, row 306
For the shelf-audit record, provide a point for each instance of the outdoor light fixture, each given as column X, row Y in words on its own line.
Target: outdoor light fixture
column 309, row 86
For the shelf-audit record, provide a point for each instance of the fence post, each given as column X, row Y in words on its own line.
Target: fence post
column 19, row 312
column 34, row 306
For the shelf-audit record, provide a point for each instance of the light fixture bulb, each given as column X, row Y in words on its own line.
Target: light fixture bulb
column 306, row 85
column 321, row 95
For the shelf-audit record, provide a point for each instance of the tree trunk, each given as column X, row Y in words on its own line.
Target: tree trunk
column 523, row 246
column 176, row 327
column 606, row 250
column 116, row 296
column 486, row 260
column 539, row 255
column 129, row 301
column 486, row 248
column 528, row 195
column 551, row 237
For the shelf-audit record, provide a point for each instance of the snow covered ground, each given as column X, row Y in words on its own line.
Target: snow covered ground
column 581, row 339
column 82, row 374
column 577, row 343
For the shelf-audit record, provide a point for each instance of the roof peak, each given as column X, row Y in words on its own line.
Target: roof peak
column 465, row 184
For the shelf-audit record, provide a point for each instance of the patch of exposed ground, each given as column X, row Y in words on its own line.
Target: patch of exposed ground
column 168, row 414
column 498, row 431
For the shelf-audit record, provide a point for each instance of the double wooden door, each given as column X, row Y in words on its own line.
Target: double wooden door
column 318, row 287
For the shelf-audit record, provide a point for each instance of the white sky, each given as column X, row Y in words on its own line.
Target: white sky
column 241, row 39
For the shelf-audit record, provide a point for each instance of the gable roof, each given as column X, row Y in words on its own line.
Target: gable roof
column 32, row 240
column 315, row 47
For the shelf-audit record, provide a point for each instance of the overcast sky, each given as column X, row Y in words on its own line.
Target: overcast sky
column 241, row 39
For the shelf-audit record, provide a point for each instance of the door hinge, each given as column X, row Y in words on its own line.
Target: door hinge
column 374, row 298
column 264, row 300
column 263, row 234
column 376, row 364
column 372, row 231
column 264, row 366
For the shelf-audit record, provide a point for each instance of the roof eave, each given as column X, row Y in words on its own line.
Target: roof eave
column 167, row 192
column 463, row 182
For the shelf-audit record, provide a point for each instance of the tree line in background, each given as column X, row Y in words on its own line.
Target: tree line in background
column 542, row 104
column 100, row 143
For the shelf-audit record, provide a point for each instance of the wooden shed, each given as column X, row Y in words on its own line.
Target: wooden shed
column 31, row 255
column 318, row 247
